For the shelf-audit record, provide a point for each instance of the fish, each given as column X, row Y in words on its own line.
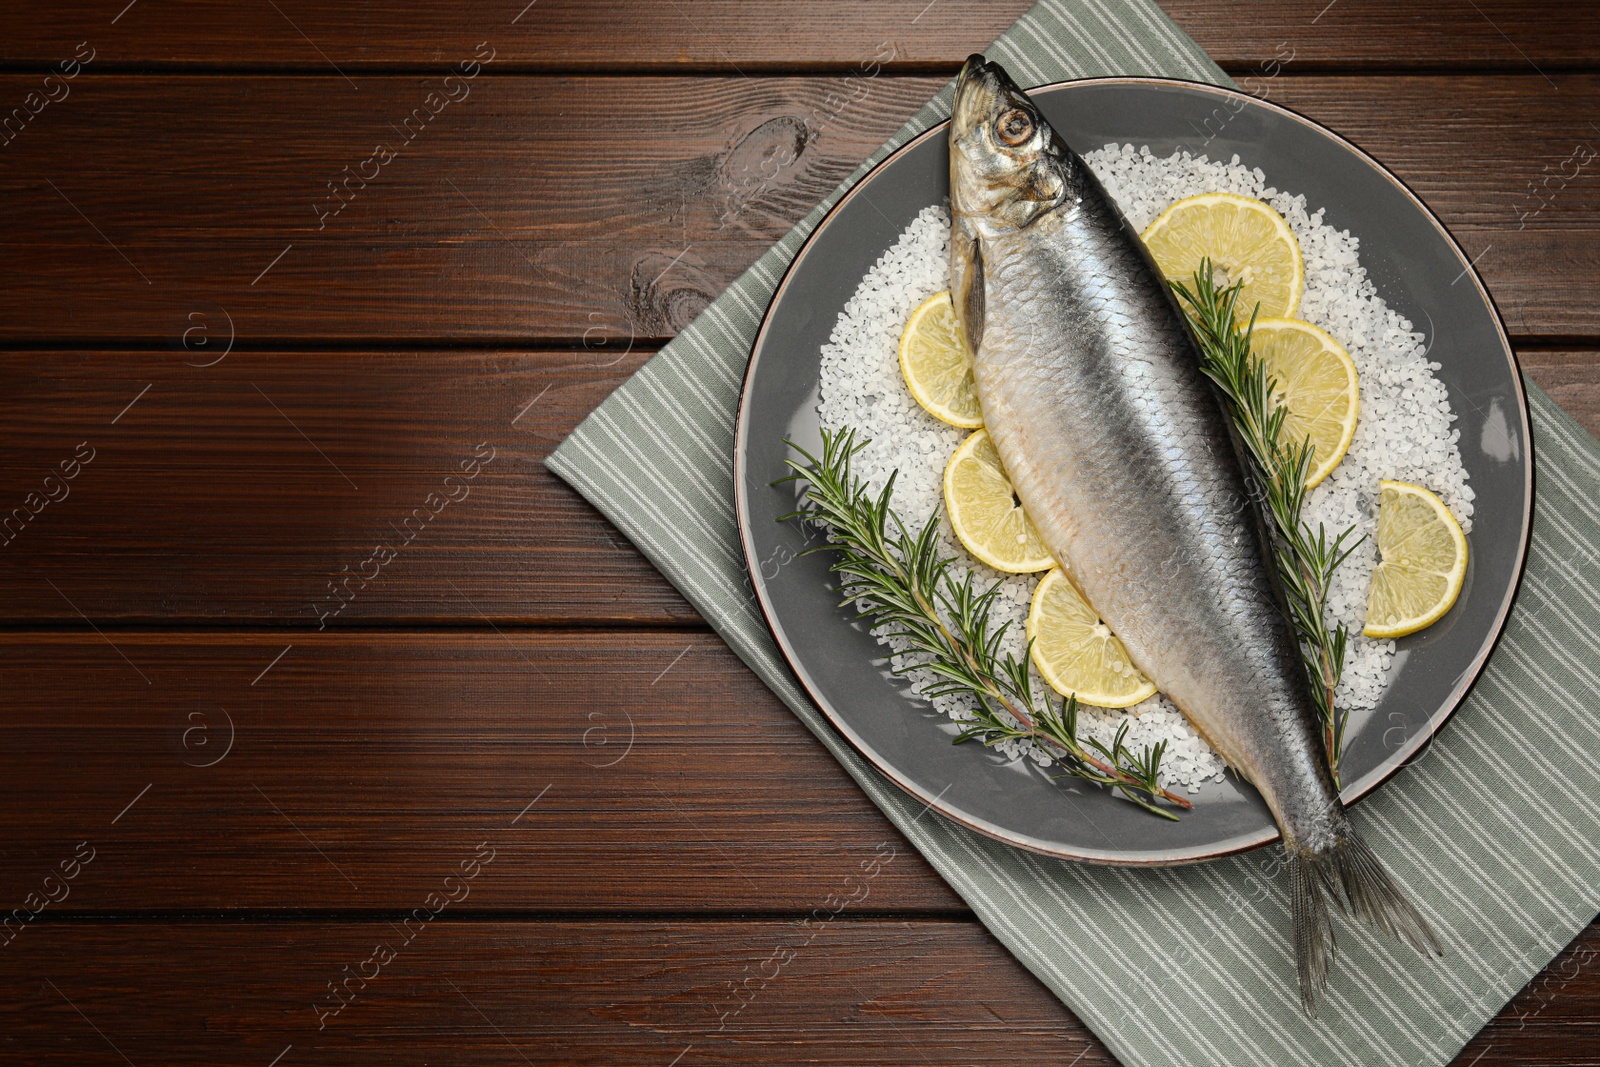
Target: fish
column 1121, row 453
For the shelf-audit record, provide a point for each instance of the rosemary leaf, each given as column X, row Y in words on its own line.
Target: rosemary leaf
column 905, row 584
column 1305, row 558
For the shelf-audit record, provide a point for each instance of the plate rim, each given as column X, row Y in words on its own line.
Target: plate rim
column 1352, row 792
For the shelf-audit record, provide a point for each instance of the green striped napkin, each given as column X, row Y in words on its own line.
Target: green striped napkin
column 1500, row 853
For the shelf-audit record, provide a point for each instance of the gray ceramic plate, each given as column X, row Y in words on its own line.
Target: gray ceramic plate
column 1417, row 268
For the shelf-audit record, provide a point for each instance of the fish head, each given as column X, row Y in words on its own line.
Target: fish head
column 1007, row 165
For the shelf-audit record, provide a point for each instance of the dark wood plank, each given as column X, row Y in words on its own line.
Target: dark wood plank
column 701, row 35
column 1515, row 35
column 218, row 497
column 275, row 486
column 1571, row 378
column 841, row 992
column 363, row 766
column 533, row 208
column 727, row 35
column 1554, row 1021
column 555, row 209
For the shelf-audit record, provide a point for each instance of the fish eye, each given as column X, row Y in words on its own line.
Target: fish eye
column 1013, row 127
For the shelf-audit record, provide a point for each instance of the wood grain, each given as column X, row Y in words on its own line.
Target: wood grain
column 219, row 497
column 765, row 35
column 580, row 993
column 1552, row 1021
column 720, row 35
column 1357, row 35
column 261, row 487
column 666, row 777
column 843, row 992
column 533, row 208
column 555, row 210
column 1572, row 378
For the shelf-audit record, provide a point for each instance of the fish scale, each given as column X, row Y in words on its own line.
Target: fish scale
column 1120, row 423
column 1121, row 453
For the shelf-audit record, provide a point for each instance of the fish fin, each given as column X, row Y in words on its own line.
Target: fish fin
column 966, row 281
column 1313, row 928
column 971, row 313
column 1351, row 875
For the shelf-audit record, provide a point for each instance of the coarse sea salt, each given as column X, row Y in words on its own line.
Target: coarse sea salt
column 1404, row 430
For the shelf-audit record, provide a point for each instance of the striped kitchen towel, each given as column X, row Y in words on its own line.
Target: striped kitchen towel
column 1203, row 972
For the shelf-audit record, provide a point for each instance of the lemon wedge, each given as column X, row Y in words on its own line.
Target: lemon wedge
column 985, row 512
column 1244, row 239
column 1076, row 652
column 1422, row 561
column 1316, row 381
column 936, row 366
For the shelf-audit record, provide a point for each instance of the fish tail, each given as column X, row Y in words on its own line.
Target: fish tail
column 1350, row 875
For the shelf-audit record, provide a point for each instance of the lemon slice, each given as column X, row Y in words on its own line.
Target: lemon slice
column 1076, row 652
column 1243, row 238
column 937, row 369
column 1316, row 381
column 1422, row 561
column 986, row 514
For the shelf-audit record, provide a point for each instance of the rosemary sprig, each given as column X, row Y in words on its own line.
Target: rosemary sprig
column 1306, row 559
column 904, row 583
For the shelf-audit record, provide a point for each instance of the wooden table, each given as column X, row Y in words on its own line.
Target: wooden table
column 338, row 731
